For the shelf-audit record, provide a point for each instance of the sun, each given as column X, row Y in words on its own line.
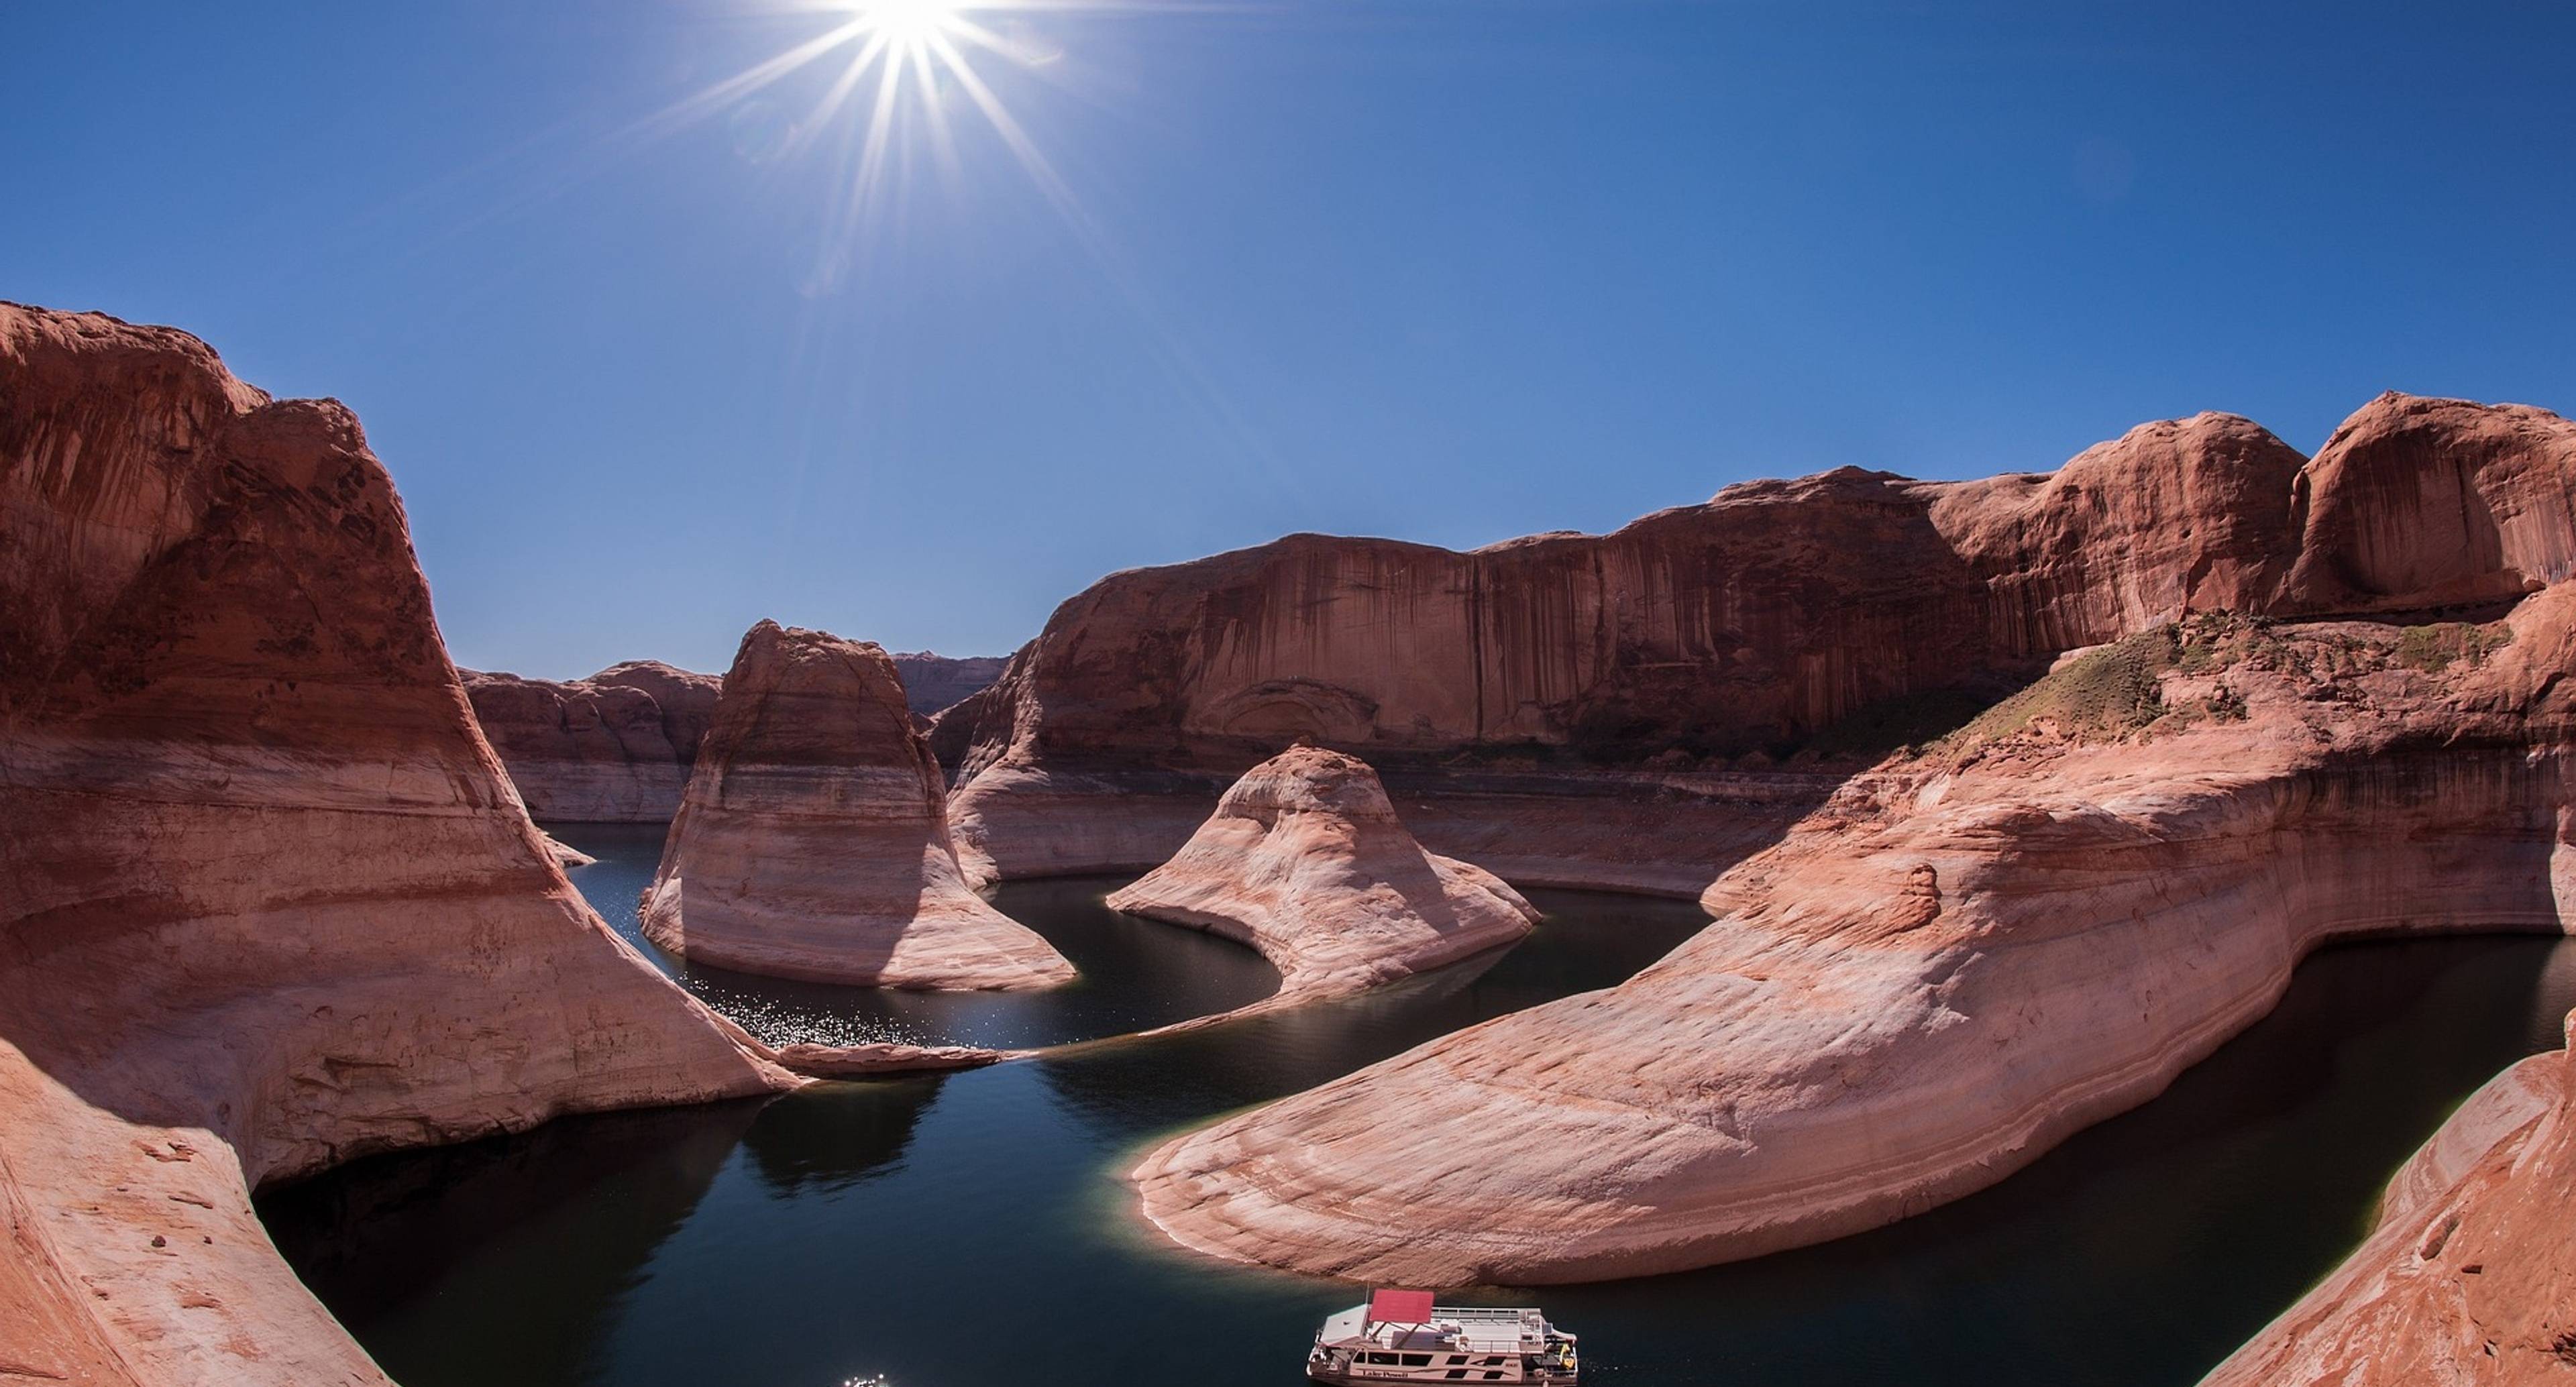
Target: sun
column 909, row 25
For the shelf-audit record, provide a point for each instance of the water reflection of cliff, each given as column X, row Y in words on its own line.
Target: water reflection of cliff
column 832, row 1136
column 542, row 1234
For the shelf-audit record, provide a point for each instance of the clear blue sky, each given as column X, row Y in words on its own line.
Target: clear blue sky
column 1449, row 270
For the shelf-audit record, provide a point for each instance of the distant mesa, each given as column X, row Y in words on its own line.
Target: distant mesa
column 813, row 841
column 616, row 747
column 932, row 682
column 1306, row 861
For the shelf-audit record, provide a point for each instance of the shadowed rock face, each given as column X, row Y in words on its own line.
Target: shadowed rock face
column 614, row 748
column 270, row 902
column 2470, row 1276
column 1957, row 961
column 1306, row 861
column 813, row 842
column 1778, row 618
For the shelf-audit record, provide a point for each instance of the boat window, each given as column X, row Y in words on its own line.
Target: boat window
column 1455, row 1373
column 1417, row 1360
column 1381, row 1358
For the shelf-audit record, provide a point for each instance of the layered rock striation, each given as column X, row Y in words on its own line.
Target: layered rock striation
column 1961, row 958
column 616, row 747
column 1306, row 861
column 2470, row 1276
column 271, row 903
column 813, row 842
column 1828, row 618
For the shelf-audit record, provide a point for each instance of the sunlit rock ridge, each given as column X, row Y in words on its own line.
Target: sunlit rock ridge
column 1978, row 945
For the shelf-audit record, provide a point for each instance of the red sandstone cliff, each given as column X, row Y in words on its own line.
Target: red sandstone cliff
column 1839, row 613
column 1957, row 961
column 2470, row 1278
column 813, row 842
column 616, row 747
column 269, row 902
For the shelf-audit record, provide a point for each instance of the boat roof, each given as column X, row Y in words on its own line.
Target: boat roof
column 1400, row 1307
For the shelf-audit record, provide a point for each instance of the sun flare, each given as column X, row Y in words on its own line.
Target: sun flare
column 907, row 23
column 890, row 65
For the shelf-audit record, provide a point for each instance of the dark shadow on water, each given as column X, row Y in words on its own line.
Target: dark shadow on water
column 832, row 1136
column 527, row 1240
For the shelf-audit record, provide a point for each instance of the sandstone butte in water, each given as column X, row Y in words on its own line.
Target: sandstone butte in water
column 616, row 747
column 2470, row 1276
column 270, row 904
column 1306, row 861
column 813, row 841
column 1957, row 961
column 1677, row 678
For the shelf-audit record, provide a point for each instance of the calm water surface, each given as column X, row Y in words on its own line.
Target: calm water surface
column 971, row 1229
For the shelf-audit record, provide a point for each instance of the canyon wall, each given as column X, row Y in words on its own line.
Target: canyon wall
column 1962, row 957
column 1825, row 619
column 270, row 902
column 616, row 747
column 813, row 842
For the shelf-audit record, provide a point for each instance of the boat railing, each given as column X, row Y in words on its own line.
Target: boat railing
column 1482, row 1314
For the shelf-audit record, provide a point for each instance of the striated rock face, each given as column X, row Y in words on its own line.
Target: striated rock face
column 614, row 748
column 813, row 841
column 1836, row 615
column 1957, row 961
column 1306, row 861
column 270, row 903
column 2470, row 1277
column 932, row 682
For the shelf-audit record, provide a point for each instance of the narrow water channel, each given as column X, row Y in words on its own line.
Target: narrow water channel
column 971, row 1230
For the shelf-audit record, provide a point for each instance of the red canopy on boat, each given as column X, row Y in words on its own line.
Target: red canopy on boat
column 1400, row 1307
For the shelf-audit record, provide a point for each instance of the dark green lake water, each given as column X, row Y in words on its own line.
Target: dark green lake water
column 971, row 1229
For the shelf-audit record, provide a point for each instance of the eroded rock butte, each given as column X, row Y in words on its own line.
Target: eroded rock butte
column 813, row 842
column 1306, row 861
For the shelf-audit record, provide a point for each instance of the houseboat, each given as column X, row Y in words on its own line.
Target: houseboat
column 1400, row 1336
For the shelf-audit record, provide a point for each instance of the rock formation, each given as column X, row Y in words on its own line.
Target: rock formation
column 813, row 841
column 1306, row 861
column 1958, row 960
column 1641, row 673
column 614, row 748
column 2470, row 1276
column 270, row 903
column 932, row 682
